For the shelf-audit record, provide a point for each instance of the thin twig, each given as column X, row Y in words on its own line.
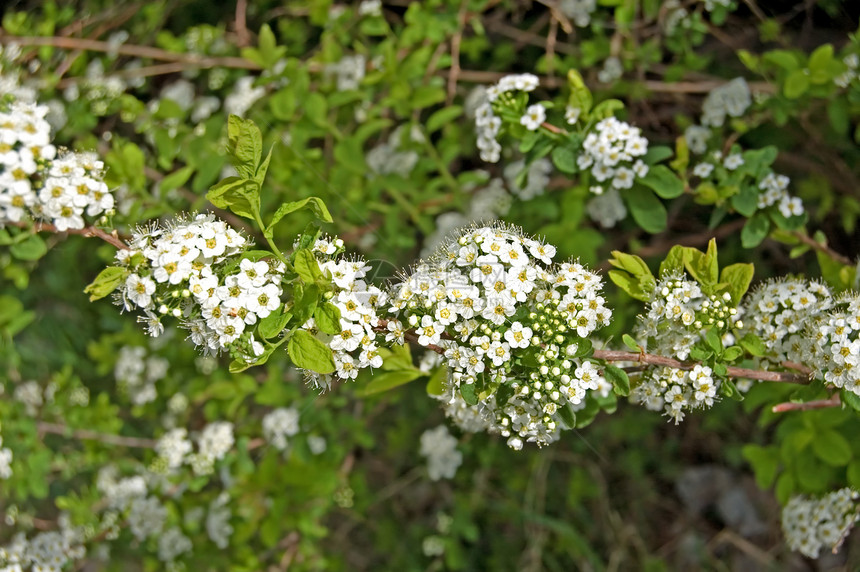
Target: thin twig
column 86, row 435
column 809, row 405
column 815, row 245
column 456, row 39
column 89, row 231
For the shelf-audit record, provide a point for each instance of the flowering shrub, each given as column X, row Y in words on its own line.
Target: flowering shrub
column 470, row 157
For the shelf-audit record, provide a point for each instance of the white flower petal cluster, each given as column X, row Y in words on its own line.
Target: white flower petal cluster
column 191, row 269
column 678, row 313
column 136, row 374
column 607, row 209
column 488, row 124
column 780, row 312
column 146, row 517
column 47, row 551
column 811, row 524
column 675, row 391
column 579, row 11
column 440, row 448
column 611, row 151
column 774, row 190
column 218, row 525
column 36, row 183
column 280, row 424
column 213, row 443
column 535, row 183
column 174, row 447
column 852, row 62
column 835, row 344
column 356, row 346
column 173, row 544
column 731, row 99
column 394, row 156
column 5, row 461
column 243, row 96
column 348, row 72
column 505, row 316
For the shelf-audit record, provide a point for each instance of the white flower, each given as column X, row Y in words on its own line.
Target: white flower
column 139, row 290
column 535, row 115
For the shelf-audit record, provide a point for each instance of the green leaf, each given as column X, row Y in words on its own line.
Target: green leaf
column 436, row 383
column 618, row 378
column 738, row 277
column 246, row 145
column 396, row 357
column 796, row 84
column 755, row 230
column 675, row 260
column 657, row 153
column 663, row 182
column 389, row 380
column 733, row 353
column 567, row 416
column 306, row 299
column 239, row 365
column 713, row 339
column 606, row 108
column 307, row 267
column 260, row 174
column 765, row 463
column 785, row 488
column 31, row 248
column 646, row 209
column 327, row 318
column 315, row 204
column 350, row 154
column 443, row 117
column 469, row 393
column 630, row 343
column 832, row 448
column 106, row 282
column 272, row 325
column 239, row 195
column 564, row 159
column 850, row 399
column 580, row 95
column 753, row 344
column 307, row 352
column 176, row 179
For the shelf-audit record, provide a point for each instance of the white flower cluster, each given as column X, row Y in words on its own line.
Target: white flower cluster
column 612, row 70
column 852, row 62
column 5, row 461
column 440, row 448
column 493, row 302
column 835, row 340
column 579, row 11
column 46, row 552
column 677, row 314
column 213, row 443
column 243, row 95
column 172, row 544
column 488, row 124
column 188, row 269
column 611, row 152
column 173, row 448
column 146, row 514
column 349, row 71
column 355, row 347
column 607, row 209
column 731, row 99
column 391, row 157
column 780, row 311
column 218, row 525
column 280, row 424
column 774, row 190
column 536, row 181
column 812, row 524
column 35, row 182
column 137, row 374
column 673, row 390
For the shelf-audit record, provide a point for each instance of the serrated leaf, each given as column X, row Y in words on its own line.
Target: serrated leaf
column 315, row 204
column 307, row 352
column 738, row 276
column 564, row 159
column 755, row 230
column 106, row 282
column 753, row 344
column 732, row 353
column 307, row 267
column 241, row 196
column 850, row 399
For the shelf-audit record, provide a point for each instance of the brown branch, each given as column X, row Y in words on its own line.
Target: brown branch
column 194, row 60
column 808, row 406
column 87, row 435
column 823, row 248
column 243, row 37
column 456, row 39
column 89, row 231
column 761, row 375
